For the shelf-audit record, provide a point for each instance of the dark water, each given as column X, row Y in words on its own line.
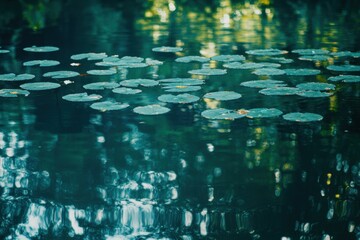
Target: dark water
column 70, row 172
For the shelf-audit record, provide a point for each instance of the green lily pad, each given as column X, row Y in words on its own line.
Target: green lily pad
column 109, row 106
column 101, row 85
column 250, row 65
column 280, row 91
column 223, row 114
column 41, row 63
column 314, row 57
column 302, row 117
column 101, row 72
column 180, row 98
column 139, row 82
column 181, row 88
column 124, row 62
column 228, row 58
column 266, row 52
column 12, row 77
column 127, row 91
column 13, row 92
column 153, row 109
column 81, row 97
column 342, row 54
column 208, row 71
column 310, row 51
column 223, row 95
column 313, row 94
column 188, row 59
column 4, row 50
column 61, row 74
column 269, row 71
column 39, row 86
column 167, row 49
column 301, row 71
column 181, row 81
column 282, row 60
column 344, row 68
column 263, row 113
column 153, row 62
column 89, row 56
column 263, row 83
column 41, row 49
column 345, row 78
column 316, row 86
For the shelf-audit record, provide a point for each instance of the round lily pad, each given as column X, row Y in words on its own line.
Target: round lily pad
column 342, row 54
column 263, row 83
column 12, row 77
column 316, row 86
column 228, row 58
column 263, row 112
column 153, row 109
column 4, row 50
column 223, row 114
column 188, row 59
column 344, row 68
column 101, row 72
column 313, row 94
column 282, row 60
column 89, row 56
column 127, row 91
column 180, row 98
column 314, row 57
column 109, row 106
column 41, row 63
column 181, row 81
column 208, row 71
column 223, row 95
column 302, row 117
column 301, row 71
column 345, row 78
column 41, row 49
column 250, row 65
column 81, row 97
column 139, row 82
column 61, row 74
column 269, row 71
column 153, row 62
column 101, row 85
column 181, row 88
column 39, row 86
column 13, row 92
column 310, row 51
column 279, row 91
column 167, row 49
column 266, row 52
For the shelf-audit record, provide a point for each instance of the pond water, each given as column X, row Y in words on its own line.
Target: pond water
column 154, row 158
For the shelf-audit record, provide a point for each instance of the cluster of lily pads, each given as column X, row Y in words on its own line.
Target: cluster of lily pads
column 177, row 90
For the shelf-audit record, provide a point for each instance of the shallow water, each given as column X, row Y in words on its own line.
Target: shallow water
column 71, row 172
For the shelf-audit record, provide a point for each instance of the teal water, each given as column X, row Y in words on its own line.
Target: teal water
column 72, row 172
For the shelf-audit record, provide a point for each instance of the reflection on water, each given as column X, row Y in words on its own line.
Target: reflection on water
column 67, row 171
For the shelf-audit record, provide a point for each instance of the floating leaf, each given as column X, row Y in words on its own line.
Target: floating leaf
column 345, row 78
column 11, row 77
column 4, row 51
column 39, row 86
column 263, row 83
column 310, row 51
column 266, row 52
column 127, row 91
column 180, row 98
column 89, row 56
column 13, row 92
column 41, row 63
column 124, row 62
column 282, row 60
column 344, row 68
column 250, row 65
column 313, row 94
column 61, row 74
column 153, row 109
column 101, row 72
column 109, row 106
column 167, row 49
column 101, row 85
column 223, row 114
column 228, row 58
column 263, row 112
column 223, row 95
column 188, row 59
column 269, row 71
column 82, row 97
column 41, row 49
column 314, row 57
column 342, row 54
column 181, row 88
column 301, row 71
column 302, row 117
column 153, row 62
column 208, row 71
column 316, row 86
column 279, row 91
column 181, row 81
column 139, row 82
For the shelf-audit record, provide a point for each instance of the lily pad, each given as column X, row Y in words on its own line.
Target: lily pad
column 127, row 91
column 223, row 95
column 263, row 83
column 302, row 117
column 310, row 51
column 223, row 114
column 181, row 88
column 13, row 92
column 344, row 68
column 250, row 65
column 266, row 52
column 101, row 85
column 301, row 71
column 342, row 54
column 269, row 71
column 313, row 94
column 228, row 58
column 153, row 62
column 181, row 81
column 263, row 112
column 109, row 106
column 41, row 63
column 4, row 50
column 139, row 82
column 153, row 109
column 208, row 71
column 314, row 57
column 167, row 49
column 39, row 86
column 188, row 59
column 282, row 60
column 280, row 91
column 81, row 97
column 89, row 56
column 41, row 49
column 12, row 77
column 345, row 78
column 316, row 86
column 101, row 72
column 180, row 98
column 61, row 74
